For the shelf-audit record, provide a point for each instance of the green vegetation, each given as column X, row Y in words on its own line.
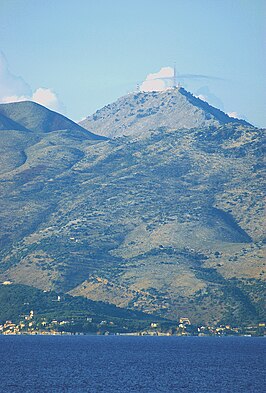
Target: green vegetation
column 79, row 314
column 168, row 222
column 27, row 310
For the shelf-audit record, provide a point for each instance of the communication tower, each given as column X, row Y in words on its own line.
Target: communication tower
column 174, row 77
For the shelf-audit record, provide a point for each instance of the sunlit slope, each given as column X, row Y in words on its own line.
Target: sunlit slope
column 139, row 113
column 170, row 223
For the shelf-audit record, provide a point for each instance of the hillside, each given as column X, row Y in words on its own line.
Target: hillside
column 77, row 313
column 25, row 124
column 169, row 224
column 139, row 113
column 30, row 116
column 8, row 124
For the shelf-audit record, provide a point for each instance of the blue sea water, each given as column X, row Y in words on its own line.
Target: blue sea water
column 114, row 364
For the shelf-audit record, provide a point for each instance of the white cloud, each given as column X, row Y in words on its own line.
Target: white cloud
column 14, row 98
column 202, row 97
column 13, row 89
column 234, row 115
column 46, row 97
column 153, row 85
column 158, row 81
column 165, row 72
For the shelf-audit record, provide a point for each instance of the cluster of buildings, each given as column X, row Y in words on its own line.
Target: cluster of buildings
column 10, row 328
column 28, row 325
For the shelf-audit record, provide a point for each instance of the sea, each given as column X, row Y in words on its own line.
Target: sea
column 114, row 364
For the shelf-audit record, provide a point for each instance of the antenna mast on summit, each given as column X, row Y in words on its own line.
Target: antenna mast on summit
column 174, row 77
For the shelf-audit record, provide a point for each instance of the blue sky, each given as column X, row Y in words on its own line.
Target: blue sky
column 77, row 56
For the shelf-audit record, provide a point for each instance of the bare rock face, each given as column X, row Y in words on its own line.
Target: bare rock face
column 139, row 113
column 167, row 220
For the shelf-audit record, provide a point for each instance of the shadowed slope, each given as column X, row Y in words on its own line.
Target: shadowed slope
column 34, row 117
column 8, row 124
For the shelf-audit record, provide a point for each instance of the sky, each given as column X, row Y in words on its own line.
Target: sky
column 75, row 56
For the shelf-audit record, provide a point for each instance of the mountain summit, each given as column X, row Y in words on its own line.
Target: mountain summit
column 139, row 113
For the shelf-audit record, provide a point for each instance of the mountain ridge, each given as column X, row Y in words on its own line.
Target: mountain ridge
column 140, row 112
column 29, row 115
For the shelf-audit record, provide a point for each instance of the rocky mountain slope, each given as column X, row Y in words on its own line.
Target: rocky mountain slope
column 138, row 113
column 168, row 221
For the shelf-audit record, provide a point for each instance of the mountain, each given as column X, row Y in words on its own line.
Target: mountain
column 8, row 124
column 28, row 115
column 139, row 113
column 25, row 124
column 168, row 221
column 18, row 300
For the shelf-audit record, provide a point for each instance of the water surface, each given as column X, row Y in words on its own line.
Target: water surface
column 113, row 364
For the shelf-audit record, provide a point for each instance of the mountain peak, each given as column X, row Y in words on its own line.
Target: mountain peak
column 30, row 116
column 137, row 113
